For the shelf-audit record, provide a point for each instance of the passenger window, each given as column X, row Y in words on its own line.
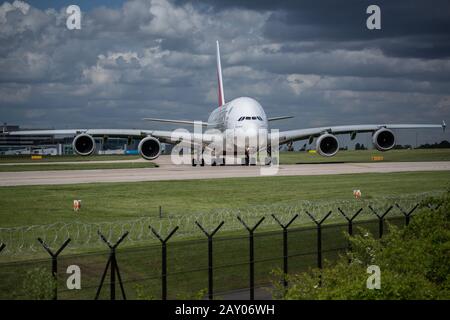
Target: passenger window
column 259, row 118
column 253, row 118
column 248, row 118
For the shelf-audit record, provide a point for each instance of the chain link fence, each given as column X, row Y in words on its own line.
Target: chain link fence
column 21, row 241
column 189, row 262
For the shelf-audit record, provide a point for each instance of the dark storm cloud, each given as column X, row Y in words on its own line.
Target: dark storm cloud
column 315, row 60
column 409, row 28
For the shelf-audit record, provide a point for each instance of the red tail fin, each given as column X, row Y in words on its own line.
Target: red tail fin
column 219, row 78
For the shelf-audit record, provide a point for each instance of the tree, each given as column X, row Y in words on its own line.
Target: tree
column 414, row 263
column 441, row 145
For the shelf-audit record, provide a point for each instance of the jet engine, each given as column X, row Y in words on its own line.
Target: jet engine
column 84, row 144
column 383, row 139
column 327, row 145
column 149, row 148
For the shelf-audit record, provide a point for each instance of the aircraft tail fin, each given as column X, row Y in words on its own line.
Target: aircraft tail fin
column 219, row 77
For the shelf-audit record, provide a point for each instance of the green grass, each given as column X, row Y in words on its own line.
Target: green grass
column 76, row 166
column 187, row 260
column 285, row 157
column 65, row 158
column 30, row 205
column 366, row 156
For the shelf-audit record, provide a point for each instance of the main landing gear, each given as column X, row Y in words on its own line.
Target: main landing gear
column 246, row 161
column 202, row 162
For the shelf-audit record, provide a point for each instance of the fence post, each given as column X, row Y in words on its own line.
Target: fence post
column 252, row 253
column 112, row 261
column 407, row 214
column 285, row 246
column 350, row 223
column 319, row 236
column 54, row 256
column 380, row 219
column 210, row 256
column 163, row 260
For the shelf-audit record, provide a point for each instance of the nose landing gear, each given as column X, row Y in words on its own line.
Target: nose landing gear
column 202, row 162
column 268, row 160
column 248, row 161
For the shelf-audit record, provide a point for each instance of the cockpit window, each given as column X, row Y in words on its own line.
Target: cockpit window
column 251, row 118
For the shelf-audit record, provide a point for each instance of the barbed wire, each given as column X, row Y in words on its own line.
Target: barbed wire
column 22, row 240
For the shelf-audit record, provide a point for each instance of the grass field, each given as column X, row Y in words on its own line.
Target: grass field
column 76, row 166
column 30, row 205
column 366, row 156
column 285, row 157
column 65, row 158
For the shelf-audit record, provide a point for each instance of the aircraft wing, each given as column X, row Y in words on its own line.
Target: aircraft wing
column 302, row 134
column 72, row 132
column 279, row 118
column 162, row 135
column 189, row 122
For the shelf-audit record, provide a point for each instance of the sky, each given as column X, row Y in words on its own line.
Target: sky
column 314, row 60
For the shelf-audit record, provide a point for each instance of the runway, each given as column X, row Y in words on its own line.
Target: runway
column 168, row 171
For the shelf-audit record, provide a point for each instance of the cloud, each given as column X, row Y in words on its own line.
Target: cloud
column 156, row 58
column 302, row 82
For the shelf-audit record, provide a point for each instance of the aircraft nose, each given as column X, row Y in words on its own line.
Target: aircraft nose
column 251, row 130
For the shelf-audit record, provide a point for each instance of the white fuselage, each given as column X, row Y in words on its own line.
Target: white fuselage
column 242, row 116
column 242, row 119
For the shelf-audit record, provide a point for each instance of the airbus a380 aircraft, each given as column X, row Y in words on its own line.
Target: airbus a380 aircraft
column 240, row 118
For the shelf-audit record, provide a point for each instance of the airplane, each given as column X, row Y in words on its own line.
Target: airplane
column 243, row 117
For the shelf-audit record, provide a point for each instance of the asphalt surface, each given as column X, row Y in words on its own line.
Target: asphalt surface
column 169, row 171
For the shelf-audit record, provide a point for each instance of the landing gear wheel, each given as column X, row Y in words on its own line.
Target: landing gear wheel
column 202, row 164
column 193, row 162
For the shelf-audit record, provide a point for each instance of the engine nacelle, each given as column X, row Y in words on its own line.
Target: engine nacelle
column 149, row 148
column 327, row 145
column 83, row 144
column 383, row 139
